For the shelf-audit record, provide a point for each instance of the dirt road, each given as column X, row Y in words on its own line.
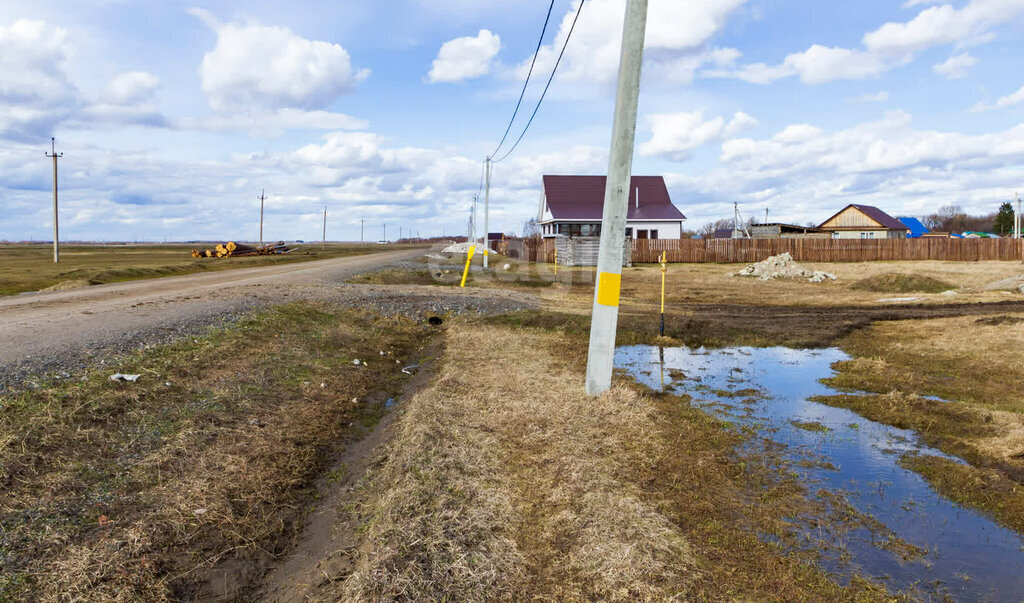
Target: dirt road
column 54, row 332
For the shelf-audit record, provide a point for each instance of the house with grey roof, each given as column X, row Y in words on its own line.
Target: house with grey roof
column 573, row 206
column 864, row 222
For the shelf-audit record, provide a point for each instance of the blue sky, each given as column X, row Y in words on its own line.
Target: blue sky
column 173, row 116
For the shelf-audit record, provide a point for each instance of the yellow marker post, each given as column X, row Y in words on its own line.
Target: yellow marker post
column 664, row 256
column 469, row 258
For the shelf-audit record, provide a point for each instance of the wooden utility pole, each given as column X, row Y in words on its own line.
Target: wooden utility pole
column 263, row 196
column 605, row 313
column 324, row 246
column 56, row 233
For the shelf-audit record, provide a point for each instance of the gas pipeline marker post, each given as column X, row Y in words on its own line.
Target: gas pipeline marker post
column 664, row 266
column 469, row 259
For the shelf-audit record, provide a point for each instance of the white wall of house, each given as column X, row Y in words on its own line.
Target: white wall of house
column 868, row 234
column 666, row 230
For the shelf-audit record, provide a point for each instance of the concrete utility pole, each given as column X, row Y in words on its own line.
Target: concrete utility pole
column 385, row 232
column 263, row 196
column 605, row 316
column 1017, row 221
column 56, row 234
column 766, row 215
column 487, row 210
column 361, row 222
column 324, row 246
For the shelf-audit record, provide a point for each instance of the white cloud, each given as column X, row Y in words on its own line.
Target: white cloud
column 1003, row 102
column 891, row 45
column 819, row 64
column 878, row 97
column 35, row 91
column 272, row 67
column 131, row 88
column 805, row 173
column 676, row 135
column 674, row 29
column 465, row 58
column 955, row 67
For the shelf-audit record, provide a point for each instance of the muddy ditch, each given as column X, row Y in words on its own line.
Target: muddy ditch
column 912, row 539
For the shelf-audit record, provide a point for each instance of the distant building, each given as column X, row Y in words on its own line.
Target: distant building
column 864, row 222
column 786, row 231
column 573, row 206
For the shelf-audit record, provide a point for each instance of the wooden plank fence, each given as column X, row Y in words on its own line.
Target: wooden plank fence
column 740, row 251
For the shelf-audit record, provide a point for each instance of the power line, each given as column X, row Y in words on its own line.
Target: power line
column 548, row 85
column 536, row 52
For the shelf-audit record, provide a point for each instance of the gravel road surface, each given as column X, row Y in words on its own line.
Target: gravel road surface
column 60, row 332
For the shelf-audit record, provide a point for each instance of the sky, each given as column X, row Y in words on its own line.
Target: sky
column 173, row 116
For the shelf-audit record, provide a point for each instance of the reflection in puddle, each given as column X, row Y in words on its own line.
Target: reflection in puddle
column 968, row 556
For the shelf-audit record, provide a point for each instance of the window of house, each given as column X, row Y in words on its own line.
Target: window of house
column 654, row 234
column 641, row 234
column 835, row 235
column 575, row 230
column 867, row 235
column 629, row 233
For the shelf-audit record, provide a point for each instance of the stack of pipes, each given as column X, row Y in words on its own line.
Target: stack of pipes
column 232, row 249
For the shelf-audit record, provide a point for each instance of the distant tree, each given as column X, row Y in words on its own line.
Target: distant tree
column 687, row 234
column 952, row 218
column 1003, row 224
column 531, row 229
column 708, row 230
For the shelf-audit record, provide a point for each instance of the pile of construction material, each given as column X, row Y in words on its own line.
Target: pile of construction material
column 783, row 266
column 234, row 250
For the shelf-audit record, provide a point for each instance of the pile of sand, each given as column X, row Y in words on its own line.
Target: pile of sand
column 459, row 248
column 783, row 266
column 1014, row 283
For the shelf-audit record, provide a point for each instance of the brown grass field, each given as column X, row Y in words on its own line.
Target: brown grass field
column 498, row 479
column 31, row 268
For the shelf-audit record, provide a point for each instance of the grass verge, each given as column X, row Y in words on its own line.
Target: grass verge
column 503, row 481
column 31, row 268
column 133, row 491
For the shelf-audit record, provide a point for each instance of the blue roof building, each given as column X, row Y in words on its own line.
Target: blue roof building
column 917, row 230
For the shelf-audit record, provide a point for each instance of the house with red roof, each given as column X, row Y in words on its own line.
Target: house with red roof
column 864, row 222
column 573, row 206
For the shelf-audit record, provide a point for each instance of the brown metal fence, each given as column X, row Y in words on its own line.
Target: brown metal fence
column 736, row 251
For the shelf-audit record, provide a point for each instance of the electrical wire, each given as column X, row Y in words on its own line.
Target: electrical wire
column 548, row 85
column 536, row 52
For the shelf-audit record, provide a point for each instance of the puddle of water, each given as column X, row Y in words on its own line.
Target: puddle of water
column 969, row 557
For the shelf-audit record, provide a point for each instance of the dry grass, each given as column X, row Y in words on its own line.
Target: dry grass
column 901, row 283
column 984, row 489
column 488, row 493
column 118, row 492
column 31, row 267
column 973, row 364
column 573, row 287
column 504, row 482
